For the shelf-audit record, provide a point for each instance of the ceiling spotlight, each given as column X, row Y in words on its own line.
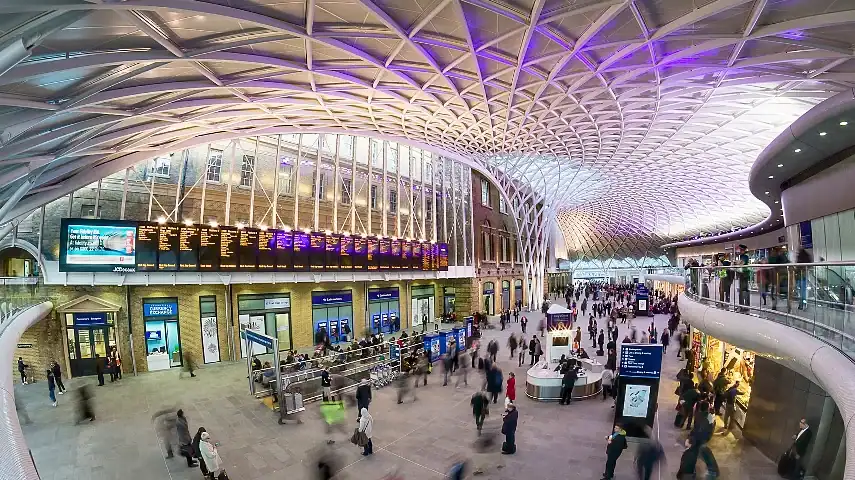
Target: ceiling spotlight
column 771, row 176
column 776, row 202
column 767, row 193
column 161, row 219
column 844, row 123
column 239, row 225
column 213, row 224
column 188, row 222
column 780, row 165
column 797, row 150
column 822, row 134
column 262, row 227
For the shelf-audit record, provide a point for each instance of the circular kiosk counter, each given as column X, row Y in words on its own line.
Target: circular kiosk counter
column 544, row 384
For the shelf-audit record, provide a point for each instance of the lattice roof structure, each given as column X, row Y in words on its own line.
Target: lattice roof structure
column 636, row 120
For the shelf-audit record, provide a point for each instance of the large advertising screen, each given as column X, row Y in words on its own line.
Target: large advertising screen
column 89, row 245
column 97, row 246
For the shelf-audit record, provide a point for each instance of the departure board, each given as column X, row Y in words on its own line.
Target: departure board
column 188, row 248
column 284, row 250
column 360, row 253
column 416, row 256
column 209, row 248
column 167, row 248
column 301, row 251
column 406, row 253
column 316, row 251
column 94, row 245
column 332, row 245
column 228, row 249
column 266, row 250
column 147, row 234
column 248, row 249
column 372, row 256
column 384, row 254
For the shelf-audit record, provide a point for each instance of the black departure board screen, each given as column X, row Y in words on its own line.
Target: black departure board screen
column 284, row 250
column 360, row 253
column 229, row 249
column 372, row 257
column 167, row 248
column 248, row 249
column 346, row 253
column 94, row 245
column 384, row 254
column 406, row 254
column 332, row 245
column 209, row 248
column 416, row 256
column 147, row 235
column 395, row 254
column 301, row 251
column 316, row 251
column 188, row 248
column 266, row 250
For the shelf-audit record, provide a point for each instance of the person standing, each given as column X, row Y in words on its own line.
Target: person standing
column 615, row 445
column 516, row 315
column 22, row 369
column 185, row 441
column 51, row 387
column 608, row 380
column 210, row 456
column 494, row 382
column 326, row 386
column 99, row 369
column 568, row 382
column 366, row 426
column 719, row 387
column 600, row 341
column 117, row 363
column 523, row 323
column 363, row 395
column 509, row 429
column 480, row 408
column 522, row 350
column 665, row 339
column 57, row 377
column 532, row 347
column 538, row 350
column 511, row 391
column 801, row 440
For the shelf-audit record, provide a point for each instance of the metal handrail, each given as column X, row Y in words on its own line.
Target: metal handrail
column 847, row 263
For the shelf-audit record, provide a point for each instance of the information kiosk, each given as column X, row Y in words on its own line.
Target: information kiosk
column 638, row 394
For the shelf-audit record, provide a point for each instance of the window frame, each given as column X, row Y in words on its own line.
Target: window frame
column 485, row 193
column 246, row 174
column 372, row 198
column 156, row 166
column 214, row 153
column 393, row 201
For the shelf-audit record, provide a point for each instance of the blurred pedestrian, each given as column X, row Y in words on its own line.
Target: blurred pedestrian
column 480, row 408
column 522, row 350
column 165, row 421
column 512, row 345
column 21, row 408
column 649, row 454
column 99, row 369
column 403, row 382
column 189, row 364
column 84, row 404
column 57, row 377
column 462, row 371
column 185, row 441
column 334, row 416
column 51, row 387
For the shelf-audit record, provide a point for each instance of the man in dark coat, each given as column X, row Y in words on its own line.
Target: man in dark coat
column 363, row 395
column 567, row 384
column 185, row 441
column 99, row 369
column 494, row 382
column 480, row 408
column 719, row 387
column 688, row 399
column 801, row 440
column 509, row 429
column 615, row 445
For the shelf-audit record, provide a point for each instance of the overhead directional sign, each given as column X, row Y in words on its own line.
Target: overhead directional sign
column 640, row 360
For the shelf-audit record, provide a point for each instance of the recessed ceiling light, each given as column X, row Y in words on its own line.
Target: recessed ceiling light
column 797, row 150
column 767, row 193
column 844, row 123
column 780, row 165
column 771, row 176
column 822, row 134
column 776, row 202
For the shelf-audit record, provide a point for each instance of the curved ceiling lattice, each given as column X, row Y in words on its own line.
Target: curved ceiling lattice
column 640, row 118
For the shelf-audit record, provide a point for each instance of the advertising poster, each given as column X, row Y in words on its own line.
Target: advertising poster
column 254, row 323
column 636, row 401
column 101, row 246
column 210, row 340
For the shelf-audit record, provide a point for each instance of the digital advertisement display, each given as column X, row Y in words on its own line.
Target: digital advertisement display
column 640, row 360
column 636, row 401
column 92, row 245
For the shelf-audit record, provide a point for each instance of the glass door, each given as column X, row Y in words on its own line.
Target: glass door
column 89, row 341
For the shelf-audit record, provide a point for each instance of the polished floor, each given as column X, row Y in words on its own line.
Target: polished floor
column 417, row 440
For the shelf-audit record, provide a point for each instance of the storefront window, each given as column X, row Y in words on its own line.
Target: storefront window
column 268, row 314
column 332, row 312
column 162, row 334
column 488, row 298
column 383, row 310
column 449, row 297
column 423, row 305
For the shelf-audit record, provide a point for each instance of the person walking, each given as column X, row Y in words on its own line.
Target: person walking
column 494, row 382
column 509, row 429
column 568, row 382
column 57, row 377
column 650, row 453
column 689, row 460
column 729, row 407
column 210, row 455
column 538, row 350
column 99, row 369
column 84, row 404
column 51, row 387
column 185, row 441
column 334, row 415
column 462, row 371
column 665, row 340
column 615, row 445
column 608, row 379
column 523, row 323
column 512, row 345
column 688, row 399
column 165, row 422
column 719, row 387
column 22, row 369
column 511, row 391
column 522, row 350
column 189, row 364
column 480, row 408
column 366, row 426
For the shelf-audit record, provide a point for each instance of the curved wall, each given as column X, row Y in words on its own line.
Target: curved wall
column 829, row 191
column 812, row 358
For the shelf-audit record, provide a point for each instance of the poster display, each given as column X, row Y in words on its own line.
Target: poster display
column 92, row 245
column 210, row 340
column 636, row 401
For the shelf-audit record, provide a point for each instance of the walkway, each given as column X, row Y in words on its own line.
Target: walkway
column 419, row 439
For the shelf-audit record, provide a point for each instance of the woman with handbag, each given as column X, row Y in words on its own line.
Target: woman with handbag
column 211, row 457
column 366, row 426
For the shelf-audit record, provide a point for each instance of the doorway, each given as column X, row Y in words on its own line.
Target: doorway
column 86, row 343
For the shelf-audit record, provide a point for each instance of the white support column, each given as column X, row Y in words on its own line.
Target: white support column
column 434, row 197
column 230, row 181
column 454, row 213
column 183, row 160
column 336, row 183
column 40, row 245
column 411, row 224
column 124, row 195
column 370, row 182
column 274, row 219
column 150, row 199
column 424, row 233
column 296, row 184
column 98, row 199
column 317, row 185
column 205, row 182
column 399, row 197
column 385, row 202
column 444, row 195
column 353, row 185
column 471, row 203
column 252, row 167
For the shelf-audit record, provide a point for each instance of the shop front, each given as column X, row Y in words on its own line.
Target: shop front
column 162, row 333
column 423, row 305
column 333, row 312
column 518, row 291
column 449, row 297
column 90, row 330
column 384, row 310
column 712, row 355
column 488, row 294
column 506, row 295
column 268, row 314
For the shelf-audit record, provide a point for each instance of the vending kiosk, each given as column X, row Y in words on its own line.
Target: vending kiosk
column 432, row 345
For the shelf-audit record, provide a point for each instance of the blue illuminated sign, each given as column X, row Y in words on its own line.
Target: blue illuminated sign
column 258, row 338
column 81, row 319
column 383, row 294
column 153, row 335
column 327, row 298
column 640, row 360
column 165, row 309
